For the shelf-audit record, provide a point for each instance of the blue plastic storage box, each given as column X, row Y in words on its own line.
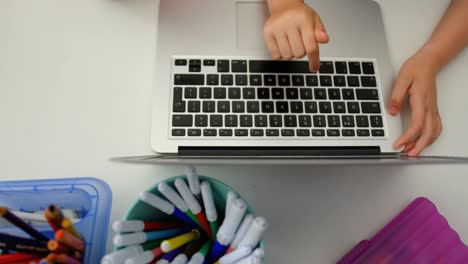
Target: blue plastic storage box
column 90, row 198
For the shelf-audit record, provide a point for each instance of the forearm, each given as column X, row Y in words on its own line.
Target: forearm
column 450, row 36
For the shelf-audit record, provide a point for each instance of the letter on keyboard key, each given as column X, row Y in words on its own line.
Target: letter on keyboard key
column 182, row 120
column 326, row 67
column 370, row 108
column 367, row 94
column 368, row 81
column 189, row 79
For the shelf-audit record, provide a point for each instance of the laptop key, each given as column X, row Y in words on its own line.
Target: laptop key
column 292, row 93
column 201, row 120
column 334, row 121
column 276, row 121
column 303, row 133
column 178, row 106
column 305, row 121
column 362, row 121
column 334, row 94
column 234, row 93
column 248, row 93
column 177, row 93
column 178, row 132
column 348, row 132
column 296, row 107
column 190, row 92
column 238, row 106
column 272, row 133
column 225, row 133
column 182, row 120
column 363, row 133
column 239, row 66
column 376, row 121
column 326, row 67
column 230, row 121
column 348, row 94
column 339, row 107
column 209, row 132
column 318, row 132
column 263, row 93
column 354, row 67
column 241, row 79
column 347, row 121
column 194, row 66
column 341, row 67
column 325, row 80
column 306, row 93
column 261, row 121
column 311, row 107
column 208, row 107
column 204, row 92
column 368, row 68
column 378, row 133
column 339, row 80
column 219, row 93
column 209, row 62
column 333, row 132
column 367, row 94
column 277, row 93
column 370, row 108
column 212, row 79
column 319, row 121
column 224, row 107
column 255, row 80
column 368, row 81
column 223, row 65
column 325, row 107
column 194, row 132
column 253, row 107
column 245, row 121
column 353, row 81
column 287, row 132
column 180, row 62
column 241, row 132
column 194, row 107
column 290, row 121
column 320, row 94
column 311, row 80
column 353, row 107
column 227, row 79
column 268, row 107
column 284, row 80
column 216, row 121
column 298, row 80
column 269, row 80
column 189, row 79
column 256, row 132
column 282, row 107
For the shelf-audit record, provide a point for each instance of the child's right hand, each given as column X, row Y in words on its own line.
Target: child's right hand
column 294, row 30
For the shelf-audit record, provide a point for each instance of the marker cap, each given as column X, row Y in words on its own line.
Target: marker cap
column 172, row 196
column 183, row 189
column 230, row 197
column 230, row 224
column 122, row 240
column 128, row 226
column 119, row 255
column 198, row 258
column 193, row 180
column 144, row 257
column 157, row 202
column 250, row 260
column 242, row 230
column 208, row 202
column 180, row 259
column 255, row 232
column 235, row 255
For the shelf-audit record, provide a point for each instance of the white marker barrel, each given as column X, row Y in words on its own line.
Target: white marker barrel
column 172, row 196
column 255, row 232
column 197, row 258
column 231, row 222
column 242, row 230
column 128, row 226
column 162, row 261
column 193, row 180
column 157, row 202
column 144, row 257
column 259, row 252
column 122, row 240
column 119, row 256
column 235, row 255
column 249, row 260
column 180, row 259
column 231, row 196
column 208, row 202
column 184, row 190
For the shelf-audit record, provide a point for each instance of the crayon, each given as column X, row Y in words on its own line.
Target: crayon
column 145, row 257
column 54, row 216
column 178, row 241
column 139, row 226
column 23, row 245
column 240, row 233
column 68, row 225
column 69, row 239
column 175, row 198
column 5, row 213
column 210, row 209
column 191, row 249
column 122, row 240
column 166, row 207
column 193, row 204
column 200, row 256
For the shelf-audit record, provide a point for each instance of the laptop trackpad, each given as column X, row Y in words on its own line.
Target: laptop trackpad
column 250, row 18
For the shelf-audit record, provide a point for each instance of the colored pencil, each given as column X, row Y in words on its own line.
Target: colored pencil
column 5, row 213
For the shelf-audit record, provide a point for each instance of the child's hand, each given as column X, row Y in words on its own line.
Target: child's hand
column 294, row 30
column 417, row 79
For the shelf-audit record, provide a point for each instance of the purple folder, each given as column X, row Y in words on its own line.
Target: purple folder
column 419, row 234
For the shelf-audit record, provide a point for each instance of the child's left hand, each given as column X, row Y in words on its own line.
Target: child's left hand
column 417, row 79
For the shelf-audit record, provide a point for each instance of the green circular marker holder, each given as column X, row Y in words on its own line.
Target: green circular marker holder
column 142, row 211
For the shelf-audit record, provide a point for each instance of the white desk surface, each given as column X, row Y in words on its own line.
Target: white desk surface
column 75, row 89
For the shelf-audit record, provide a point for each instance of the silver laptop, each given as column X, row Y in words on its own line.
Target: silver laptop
column 219, row 94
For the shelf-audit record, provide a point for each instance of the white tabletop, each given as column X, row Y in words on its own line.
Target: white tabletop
column 75, row 89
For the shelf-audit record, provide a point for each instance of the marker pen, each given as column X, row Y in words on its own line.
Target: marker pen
column 199, row 257
column 235, row 255
column 193, row 180
column 145, row 257
column 254, row 234
column 210, row 209
column 122, row 240
column 175, row 198
column 119, row 256
column 128, row 226
column 241, row 232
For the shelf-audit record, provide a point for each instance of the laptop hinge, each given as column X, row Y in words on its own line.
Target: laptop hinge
column 278, row 151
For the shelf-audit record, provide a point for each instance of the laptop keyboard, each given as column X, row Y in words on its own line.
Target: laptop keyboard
column 243, row 98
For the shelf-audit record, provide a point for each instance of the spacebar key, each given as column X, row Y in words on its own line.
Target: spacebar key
column 189, row 79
